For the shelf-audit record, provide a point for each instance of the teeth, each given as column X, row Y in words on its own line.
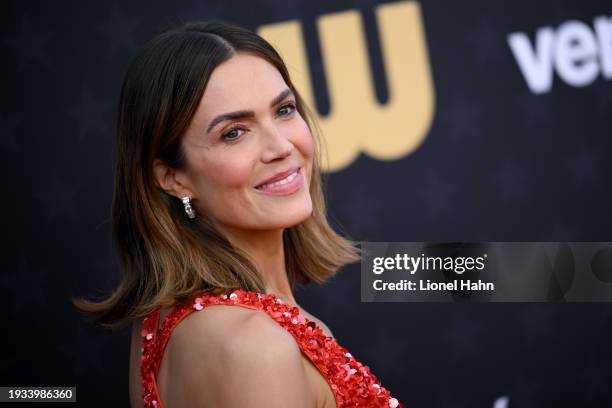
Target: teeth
column 286, row 180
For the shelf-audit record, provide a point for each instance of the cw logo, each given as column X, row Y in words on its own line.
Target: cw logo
column 357, row 122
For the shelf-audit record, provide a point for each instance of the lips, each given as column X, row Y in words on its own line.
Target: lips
column 278, row 176
column 284, row 187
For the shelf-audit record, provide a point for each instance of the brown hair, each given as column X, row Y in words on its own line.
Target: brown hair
column 165, row 256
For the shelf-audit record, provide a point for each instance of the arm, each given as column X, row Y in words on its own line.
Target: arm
column 240, row 359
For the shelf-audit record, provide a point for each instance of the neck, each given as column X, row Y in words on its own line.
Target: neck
column 266, row 250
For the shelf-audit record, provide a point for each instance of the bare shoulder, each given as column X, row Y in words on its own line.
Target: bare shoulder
column 227, row 356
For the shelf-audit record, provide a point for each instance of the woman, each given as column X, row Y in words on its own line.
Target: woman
column 218, row 202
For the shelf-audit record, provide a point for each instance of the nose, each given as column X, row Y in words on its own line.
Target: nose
column 276, row 144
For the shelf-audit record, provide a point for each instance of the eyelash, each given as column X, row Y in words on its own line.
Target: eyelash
column 225, row 137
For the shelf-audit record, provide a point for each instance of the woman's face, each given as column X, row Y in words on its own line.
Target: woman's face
column 249, row 152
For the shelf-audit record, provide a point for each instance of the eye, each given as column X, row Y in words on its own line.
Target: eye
column 286, row 110
column 232, row 134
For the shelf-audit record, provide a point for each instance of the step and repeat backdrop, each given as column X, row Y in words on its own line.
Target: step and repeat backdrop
column 471, row 121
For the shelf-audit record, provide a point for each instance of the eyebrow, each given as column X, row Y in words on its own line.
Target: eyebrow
column 246, row 113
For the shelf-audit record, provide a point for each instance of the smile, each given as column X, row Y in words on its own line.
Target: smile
column 288, row 185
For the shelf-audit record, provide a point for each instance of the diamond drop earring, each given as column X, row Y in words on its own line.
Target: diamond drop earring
column 188, row 209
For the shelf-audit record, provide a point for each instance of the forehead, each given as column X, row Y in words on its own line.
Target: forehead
column 242, row 82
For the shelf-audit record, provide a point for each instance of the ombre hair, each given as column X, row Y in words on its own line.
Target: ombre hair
column 166, row 257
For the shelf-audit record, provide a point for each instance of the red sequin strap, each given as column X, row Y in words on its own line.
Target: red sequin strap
column 147, row 359
column 154, row 342
column 351, row 381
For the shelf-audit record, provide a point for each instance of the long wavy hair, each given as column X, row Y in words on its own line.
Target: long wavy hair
column 164, row 256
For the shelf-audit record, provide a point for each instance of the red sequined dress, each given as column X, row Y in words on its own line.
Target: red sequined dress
column 352, row 382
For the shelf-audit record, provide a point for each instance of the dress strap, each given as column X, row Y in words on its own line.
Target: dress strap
column 176, row 315
column 148, row 352
column 154, row 340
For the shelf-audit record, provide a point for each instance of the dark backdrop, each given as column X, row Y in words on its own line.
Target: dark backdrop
column 499, row 163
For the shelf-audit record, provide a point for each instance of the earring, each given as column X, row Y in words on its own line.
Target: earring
column 188, row 209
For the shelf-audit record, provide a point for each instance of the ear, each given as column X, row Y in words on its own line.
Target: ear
column 171, row 180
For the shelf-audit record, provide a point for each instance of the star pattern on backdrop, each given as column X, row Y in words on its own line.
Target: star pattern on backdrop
column 524, row 391
column 58, row 199
column 8, row 138
column 107, row 270
column 595, row 377
column 89, row 115
column 119, row 31
column 25, row 276
column 559, row 14
column 395, row 351
column 199, row 10
column 510, row 180
column 536, row 109
column 605, row 316
column 7, row 368
column 93, row 342
column 488, row 41
column 537, row 322
column 345, row 287
column 30, row 45
column 360, row 214
column 447, row 400
column 462, row 334
column 300, row 8
column 438, row 197
column 584, row 166
column 463, row 118
column 603, row 94
column 560, row 229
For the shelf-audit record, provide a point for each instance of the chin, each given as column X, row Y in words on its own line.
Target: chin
column 292, row 218
column 304, row 217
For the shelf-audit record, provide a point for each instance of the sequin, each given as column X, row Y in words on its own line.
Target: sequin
column 351, row 381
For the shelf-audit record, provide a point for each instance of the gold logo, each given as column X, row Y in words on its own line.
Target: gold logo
column 357, row 122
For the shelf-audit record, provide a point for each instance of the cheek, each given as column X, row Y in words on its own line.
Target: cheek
column 230, row 174
column 221, row 179
column 303, row 141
